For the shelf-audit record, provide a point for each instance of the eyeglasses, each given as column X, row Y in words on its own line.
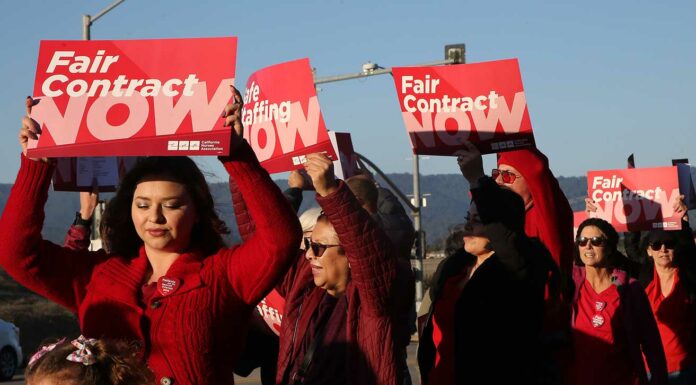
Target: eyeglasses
column 669, row 245
column 594, row 241
column 508, row 176
column 318, row 249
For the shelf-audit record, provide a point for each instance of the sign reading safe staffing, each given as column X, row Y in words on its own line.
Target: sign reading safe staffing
column 483, row 103
column 281, row 116
column 133, row 97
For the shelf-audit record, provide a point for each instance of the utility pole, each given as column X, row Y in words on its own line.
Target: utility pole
column 87, row 21
column 454, row 54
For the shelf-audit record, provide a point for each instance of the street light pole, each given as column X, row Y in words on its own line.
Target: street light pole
column 87, row 21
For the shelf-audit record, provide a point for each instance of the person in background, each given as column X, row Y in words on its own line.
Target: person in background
column 86, row 361
column 487, row 301
column 548, row 215
column 669, row 277
column 613, row 325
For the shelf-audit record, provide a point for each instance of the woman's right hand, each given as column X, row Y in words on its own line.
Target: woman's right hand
column 30, row 129
column 590, row 207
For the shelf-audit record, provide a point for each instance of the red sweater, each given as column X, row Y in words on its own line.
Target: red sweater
column 196, row 332
column 375, row 291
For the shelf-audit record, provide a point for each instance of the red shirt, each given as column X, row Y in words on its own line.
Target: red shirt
column 443, row 332
column 601, row 348
column 676, row 320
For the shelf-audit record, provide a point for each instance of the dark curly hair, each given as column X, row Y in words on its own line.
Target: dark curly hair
column 117, row 229
column 116, row 363
column 613, row 255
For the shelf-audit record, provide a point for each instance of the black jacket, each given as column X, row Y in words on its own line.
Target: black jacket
column 498, row 315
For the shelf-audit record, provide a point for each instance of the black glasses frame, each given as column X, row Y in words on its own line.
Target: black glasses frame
column 318, row 249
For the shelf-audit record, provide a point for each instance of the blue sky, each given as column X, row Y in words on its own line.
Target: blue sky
column 602, row 79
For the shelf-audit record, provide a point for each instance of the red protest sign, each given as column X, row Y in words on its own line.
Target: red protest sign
column 133, row 97
column 482, row 102
column 578, row 218
column 271, row 310
column 636, row 199
column 345, row 165
column 88, row 173
column 281, row 116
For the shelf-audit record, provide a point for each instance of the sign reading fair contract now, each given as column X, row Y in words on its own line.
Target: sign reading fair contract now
column 281, row 116
column 638, row 199
column 483, row 103
column 133, row 97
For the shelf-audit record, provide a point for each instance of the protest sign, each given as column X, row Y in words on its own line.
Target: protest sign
column 578, row 218
column 345, row 165
column 271, row 310
column 636, row 199
column 483, row 103
column 281, row 116
column 686, row 183
column 133, row 97
column 90, row 173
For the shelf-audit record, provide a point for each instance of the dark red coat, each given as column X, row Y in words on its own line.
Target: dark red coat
column 195, row 333
column 376, row 292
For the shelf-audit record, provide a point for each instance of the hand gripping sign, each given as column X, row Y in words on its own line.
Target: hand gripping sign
column 133, row 97
column 281, row 116
column 483, row 103
column 637, row 199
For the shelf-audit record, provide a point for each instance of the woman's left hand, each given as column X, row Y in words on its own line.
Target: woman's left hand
column 233, row 118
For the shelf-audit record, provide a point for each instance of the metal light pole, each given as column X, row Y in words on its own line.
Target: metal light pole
column 87, row 21
column 454, row 54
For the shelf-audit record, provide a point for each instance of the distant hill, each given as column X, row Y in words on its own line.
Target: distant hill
column 445, row 206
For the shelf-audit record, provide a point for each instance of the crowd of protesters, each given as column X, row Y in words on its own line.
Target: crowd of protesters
column 518, row 298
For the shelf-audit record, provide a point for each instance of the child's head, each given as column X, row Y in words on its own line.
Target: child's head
column 88, row 362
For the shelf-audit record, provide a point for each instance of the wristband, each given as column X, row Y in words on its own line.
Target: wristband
column 82, row 222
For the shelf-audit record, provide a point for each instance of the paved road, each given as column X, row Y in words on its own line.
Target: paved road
column 255, row 379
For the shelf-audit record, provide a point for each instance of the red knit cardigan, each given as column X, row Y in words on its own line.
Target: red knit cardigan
column 376, row 292
column 194, row 334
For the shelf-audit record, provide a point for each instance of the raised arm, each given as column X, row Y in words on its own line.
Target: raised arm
column 54, row 272
column 370, row 255
column 258, row 264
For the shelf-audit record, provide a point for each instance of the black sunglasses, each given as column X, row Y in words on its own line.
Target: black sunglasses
column 669, row 245
column 594, row 241
column 318, row 249
column 508, row 176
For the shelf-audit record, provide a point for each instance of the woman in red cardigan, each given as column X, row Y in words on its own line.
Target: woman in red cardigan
column 343, row 296
column 167, row 281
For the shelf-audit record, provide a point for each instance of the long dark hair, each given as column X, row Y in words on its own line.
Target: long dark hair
column 117, row 229
column 614, row 257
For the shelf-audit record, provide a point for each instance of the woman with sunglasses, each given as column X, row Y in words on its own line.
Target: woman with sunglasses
column 342, row 303
column 548, row 215
column 671, row 257
column 485, row 316
column 613, row 326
